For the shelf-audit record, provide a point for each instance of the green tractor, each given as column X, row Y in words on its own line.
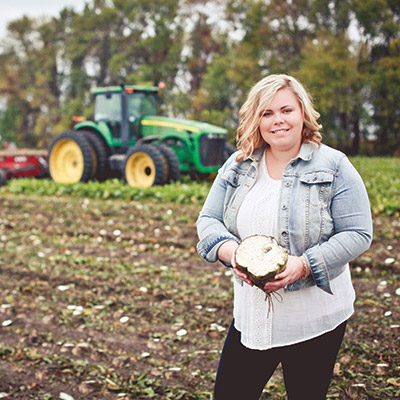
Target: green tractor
column 127, row 138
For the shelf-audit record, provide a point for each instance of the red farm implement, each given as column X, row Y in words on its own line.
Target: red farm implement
column 22, row 163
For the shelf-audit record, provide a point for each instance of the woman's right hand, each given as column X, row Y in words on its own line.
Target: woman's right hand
column 242, row 276
column 226, row 252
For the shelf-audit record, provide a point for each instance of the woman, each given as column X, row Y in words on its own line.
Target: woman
column 284, row 183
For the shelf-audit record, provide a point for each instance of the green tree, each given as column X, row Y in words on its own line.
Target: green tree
column 331, row 72
column 379, row 28
column 9, row 123
column 386, row 82
column 266, row 38
column 231, row 73
column 149, row 41
column 89, row 45
column 332, row 16
column 203, row 49
column 29, row 77
column 47, row 66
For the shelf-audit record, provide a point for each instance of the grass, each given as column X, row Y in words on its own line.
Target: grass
column 382, row 180
column 381, row 177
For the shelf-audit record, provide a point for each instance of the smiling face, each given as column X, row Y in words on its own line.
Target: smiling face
column 281, row 125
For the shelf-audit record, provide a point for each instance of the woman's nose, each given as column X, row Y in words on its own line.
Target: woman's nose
column 278, row 119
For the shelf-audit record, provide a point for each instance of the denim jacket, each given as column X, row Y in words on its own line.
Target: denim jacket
column 324, row 211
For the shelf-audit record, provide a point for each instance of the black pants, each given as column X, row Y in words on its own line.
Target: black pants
column 307, row 367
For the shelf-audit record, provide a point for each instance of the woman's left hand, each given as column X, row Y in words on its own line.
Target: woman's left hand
column 293, row 271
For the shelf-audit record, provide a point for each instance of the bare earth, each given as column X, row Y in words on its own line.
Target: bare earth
column 106, row 299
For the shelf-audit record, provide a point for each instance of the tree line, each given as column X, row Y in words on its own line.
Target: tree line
column 209, row 54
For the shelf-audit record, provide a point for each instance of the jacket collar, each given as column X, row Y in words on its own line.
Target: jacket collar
column 307, row 150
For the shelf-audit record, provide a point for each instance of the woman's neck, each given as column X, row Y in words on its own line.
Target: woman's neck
column 277, row 160
column 283, row 156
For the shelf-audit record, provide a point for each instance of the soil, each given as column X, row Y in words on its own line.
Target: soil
column 108, row 299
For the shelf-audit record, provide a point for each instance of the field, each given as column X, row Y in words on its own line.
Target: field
column 102, row 295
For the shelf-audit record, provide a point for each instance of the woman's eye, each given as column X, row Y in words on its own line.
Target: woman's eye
column 288, row 111
column 267, row 114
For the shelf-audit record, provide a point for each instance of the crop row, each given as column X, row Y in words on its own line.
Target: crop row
column 381, row 177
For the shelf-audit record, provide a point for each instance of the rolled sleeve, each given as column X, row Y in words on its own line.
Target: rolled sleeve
column 210, row 225
column 208, row 247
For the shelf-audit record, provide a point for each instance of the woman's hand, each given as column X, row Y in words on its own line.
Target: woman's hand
column 294, row 270
column 226, row 252
column 242, row 276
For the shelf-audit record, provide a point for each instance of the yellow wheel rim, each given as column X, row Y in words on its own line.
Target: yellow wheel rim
column 140, row 170
column 66, row 162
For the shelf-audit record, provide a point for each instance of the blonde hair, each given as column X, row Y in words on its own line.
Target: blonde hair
column 260, row 96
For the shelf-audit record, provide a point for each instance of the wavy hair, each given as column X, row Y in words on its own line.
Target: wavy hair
column 260, row 96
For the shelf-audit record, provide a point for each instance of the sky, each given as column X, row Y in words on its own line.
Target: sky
column 13, row 9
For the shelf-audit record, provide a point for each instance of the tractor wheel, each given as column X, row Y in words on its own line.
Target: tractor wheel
column 3, row 178
column 70, row 158
column 173, row 167
column 144, row 166
column 99, row 155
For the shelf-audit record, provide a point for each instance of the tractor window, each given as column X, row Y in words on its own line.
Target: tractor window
column 108, row 107
column 149, row 106
column 134, row 105
column 140, row 104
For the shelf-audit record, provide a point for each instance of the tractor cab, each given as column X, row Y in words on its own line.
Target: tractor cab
column 121, row 108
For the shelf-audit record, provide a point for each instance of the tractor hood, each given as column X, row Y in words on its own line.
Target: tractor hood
column 182, row 125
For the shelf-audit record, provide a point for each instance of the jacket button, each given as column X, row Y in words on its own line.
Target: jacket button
column 284, row 233
column 287, row 184
column 284, row 207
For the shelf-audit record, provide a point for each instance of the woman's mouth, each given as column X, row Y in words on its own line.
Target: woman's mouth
column 278, row 131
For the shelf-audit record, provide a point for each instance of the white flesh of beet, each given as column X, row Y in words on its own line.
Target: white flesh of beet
column 261, row 255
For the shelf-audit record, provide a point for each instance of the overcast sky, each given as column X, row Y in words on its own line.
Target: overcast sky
column 12, row 9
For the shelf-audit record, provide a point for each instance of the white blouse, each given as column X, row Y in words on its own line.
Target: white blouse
column 300, row 315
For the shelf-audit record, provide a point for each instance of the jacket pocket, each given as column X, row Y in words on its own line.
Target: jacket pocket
column 317, row 187
column 317, row 177
column 316, row 195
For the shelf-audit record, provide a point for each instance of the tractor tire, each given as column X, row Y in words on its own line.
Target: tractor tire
column 100, row 167
column 144, row 166
column 173, row 167
column 70, row 158
column 3, row 178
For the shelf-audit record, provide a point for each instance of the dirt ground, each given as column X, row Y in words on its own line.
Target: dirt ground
column 107, row 299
